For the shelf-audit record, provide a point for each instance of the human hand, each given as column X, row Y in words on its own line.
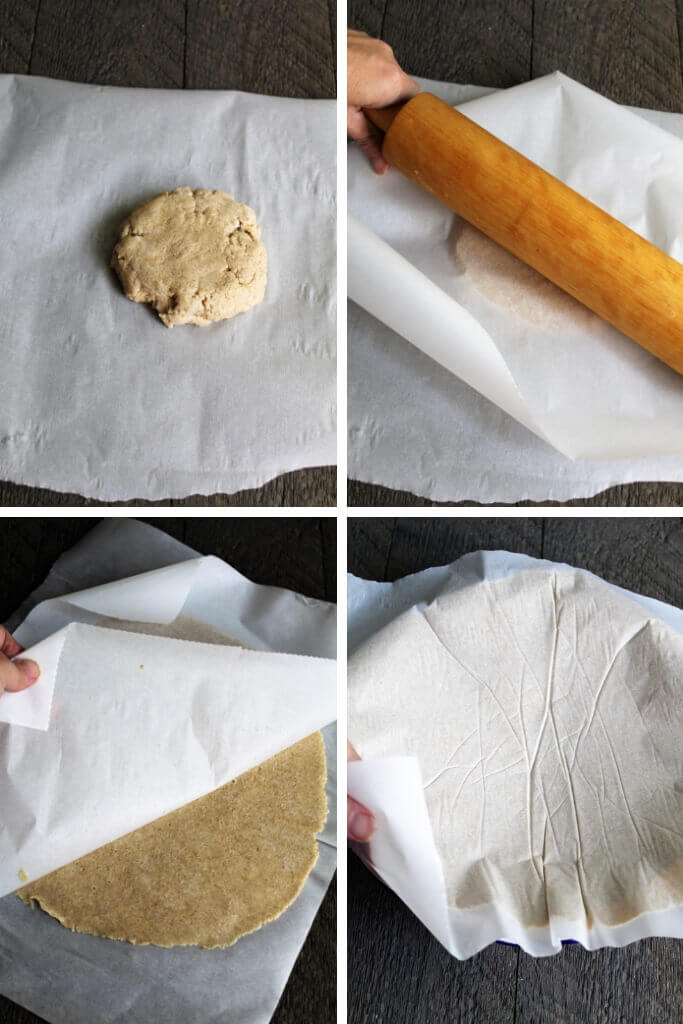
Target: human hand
column 360, row 822
column 14, row 675
column 374, row 79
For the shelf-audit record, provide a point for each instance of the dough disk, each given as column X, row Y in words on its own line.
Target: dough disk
column 194, row 254
column 509, row 283
column 544, row 710
column 210, row 872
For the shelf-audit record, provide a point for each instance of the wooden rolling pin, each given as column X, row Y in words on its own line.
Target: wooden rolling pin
column 609, row 268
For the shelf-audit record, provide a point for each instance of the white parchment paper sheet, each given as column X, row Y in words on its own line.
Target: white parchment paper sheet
column 66, row 977
column 138, row 727
column 406, row 858
column 577, row 381
column 98, row 397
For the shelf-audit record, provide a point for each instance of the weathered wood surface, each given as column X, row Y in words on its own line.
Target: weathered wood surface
column 396, row 970
column 628, row 51
column 284, row 50
column 299, row 554
column 650, row 494
column 304, row 487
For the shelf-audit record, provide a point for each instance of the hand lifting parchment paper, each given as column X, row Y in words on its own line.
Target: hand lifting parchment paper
column 80, row 978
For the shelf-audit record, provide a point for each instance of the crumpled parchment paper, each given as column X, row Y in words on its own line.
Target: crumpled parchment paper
column 531, row 718
column 98, row 397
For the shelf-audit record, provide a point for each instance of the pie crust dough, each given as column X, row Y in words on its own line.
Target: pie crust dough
column 212, row 871
column 206, row 874
column 194, row 254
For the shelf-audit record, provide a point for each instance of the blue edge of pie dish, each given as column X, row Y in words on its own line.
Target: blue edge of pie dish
column 565, row 942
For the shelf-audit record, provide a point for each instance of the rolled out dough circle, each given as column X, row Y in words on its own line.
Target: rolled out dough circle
column 544, row 711
column 210, row 872
column 195, row 255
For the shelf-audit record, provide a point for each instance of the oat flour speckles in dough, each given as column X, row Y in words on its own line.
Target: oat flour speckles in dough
column 206, row 874
column 173, row 882
column 510, row 284
column 194, row 254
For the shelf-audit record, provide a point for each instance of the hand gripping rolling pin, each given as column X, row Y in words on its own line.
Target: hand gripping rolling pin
column 609, row 268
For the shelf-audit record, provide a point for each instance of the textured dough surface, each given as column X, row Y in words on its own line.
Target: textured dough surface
column 172, row 883
column 544, row 710
column 205, row 875
column 195, row 255
column 511, row 284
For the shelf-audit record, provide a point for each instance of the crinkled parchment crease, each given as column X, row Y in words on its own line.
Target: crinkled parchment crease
column 544, row 711
column 212, row 871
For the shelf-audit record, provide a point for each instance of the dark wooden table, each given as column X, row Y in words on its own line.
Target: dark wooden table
column 299, row 554
column 631, row 52
column 279, row 49
column 396, row 970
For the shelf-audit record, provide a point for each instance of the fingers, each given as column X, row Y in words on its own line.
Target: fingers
column 360, row 821
column 8, row 645
column 368, row 137
column 14, row 675
column 17, row 675
column 374, row 79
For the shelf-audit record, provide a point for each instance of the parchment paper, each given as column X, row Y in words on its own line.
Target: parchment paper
column 573, row 379
column 106, row 401
column 392, row 787
column 66, row 977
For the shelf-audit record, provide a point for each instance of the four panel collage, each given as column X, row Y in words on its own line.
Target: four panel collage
column 360, row 700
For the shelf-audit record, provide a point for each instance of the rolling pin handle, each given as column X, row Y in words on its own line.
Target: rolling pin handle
column 382, row 117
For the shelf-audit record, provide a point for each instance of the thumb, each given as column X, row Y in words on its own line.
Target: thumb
column 17, row 675
column 360, row 821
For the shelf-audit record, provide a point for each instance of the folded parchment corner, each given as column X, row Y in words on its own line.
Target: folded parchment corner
column 31, row 708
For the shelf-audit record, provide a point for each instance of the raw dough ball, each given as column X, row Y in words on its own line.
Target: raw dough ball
column 193, row 254
column 208, row 873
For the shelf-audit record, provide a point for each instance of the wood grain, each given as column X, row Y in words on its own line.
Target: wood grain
column 369, row 546
column 17, row 29
column 367, row 16
column 486, row 43
column 629, row 51
column 290, row 552
column 305, row 487
column 417, row 544
column 20, row 541
column 634, row 985
column 10, row 1013
column 284, row 548
column 644, row 555
column 396, row 970
column 111, row 42
column 260, row 46
column 650, row 494
column 311, row 992
column 626, row 50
